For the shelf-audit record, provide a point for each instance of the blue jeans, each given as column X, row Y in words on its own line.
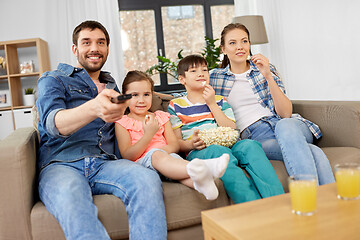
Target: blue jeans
column 66, row 189
column 290, row 140
column 248, row 154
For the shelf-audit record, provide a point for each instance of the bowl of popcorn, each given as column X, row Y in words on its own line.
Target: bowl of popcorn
column 224, row 136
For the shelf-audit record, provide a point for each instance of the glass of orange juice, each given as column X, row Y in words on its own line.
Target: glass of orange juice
column 303, row 194
column 347, row 177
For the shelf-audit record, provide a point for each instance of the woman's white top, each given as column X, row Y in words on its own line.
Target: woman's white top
column 244, row 103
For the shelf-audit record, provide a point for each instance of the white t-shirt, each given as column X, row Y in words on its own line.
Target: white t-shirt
column 244, row 103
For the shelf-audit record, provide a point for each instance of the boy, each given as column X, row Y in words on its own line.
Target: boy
column 202, row 109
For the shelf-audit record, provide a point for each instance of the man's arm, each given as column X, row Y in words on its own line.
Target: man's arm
column 69, row 121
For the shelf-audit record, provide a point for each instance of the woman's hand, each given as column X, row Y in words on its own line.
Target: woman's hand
column 150, row 125
column 262, row 63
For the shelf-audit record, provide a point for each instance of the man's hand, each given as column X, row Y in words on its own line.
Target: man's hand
column 105, row 109
column 197, row 142
column 209, row 95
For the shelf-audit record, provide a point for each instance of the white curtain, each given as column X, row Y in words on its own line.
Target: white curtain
column 62, row 16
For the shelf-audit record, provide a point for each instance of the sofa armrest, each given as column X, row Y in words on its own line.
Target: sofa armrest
column 339, row 121
column 17, row 183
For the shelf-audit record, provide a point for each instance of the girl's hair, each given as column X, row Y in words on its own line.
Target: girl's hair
column 227, row 29
column 193, row 60
column 136, row 76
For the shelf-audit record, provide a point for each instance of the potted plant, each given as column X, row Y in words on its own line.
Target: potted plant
column 211, row 53
column 29, row 97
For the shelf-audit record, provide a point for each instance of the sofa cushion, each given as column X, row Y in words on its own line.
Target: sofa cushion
column 183, row 207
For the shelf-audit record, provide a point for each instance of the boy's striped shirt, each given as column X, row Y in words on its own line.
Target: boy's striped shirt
column 189, row 116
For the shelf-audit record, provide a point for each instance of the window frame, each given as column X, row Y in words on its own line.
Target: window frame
column 155, row 5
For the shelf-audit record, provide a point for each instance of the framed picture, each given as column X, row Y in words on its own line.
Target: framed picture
column 5, row 98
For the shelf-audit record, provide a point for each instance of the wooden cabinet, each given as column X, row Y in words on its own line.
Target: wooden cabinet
column 12, row 81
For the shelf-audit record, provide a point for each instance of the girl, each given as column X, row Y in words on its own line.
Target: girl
column 148, row 139
column 256, row 93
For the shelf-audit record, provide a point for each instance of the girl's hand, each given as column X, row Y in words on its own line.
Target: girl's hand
column 197, row 143
column 150, row 125
column 209, row 95
column 262, row 63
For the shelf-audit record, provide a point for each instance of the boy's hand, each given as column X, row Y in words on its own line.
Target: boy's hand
column 209, row 95
column 150, row 125
column 197, row 143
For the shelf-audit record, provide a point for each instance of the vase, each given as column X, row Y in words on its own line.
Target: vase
column 29, row 99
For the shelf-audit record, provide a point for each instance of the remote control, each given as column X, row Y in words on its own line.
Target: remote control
column 121, row 98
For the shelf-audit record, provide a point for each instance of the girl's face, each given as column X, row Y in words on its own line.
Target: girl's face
column 141, row 99
column 236, row 46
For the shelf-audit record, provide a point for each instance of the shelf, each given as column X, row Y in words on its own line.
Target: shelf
column 13, row 82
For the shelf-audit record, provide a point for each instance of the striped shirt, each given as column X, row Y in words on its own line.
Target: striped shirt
column 189, row 116
column 222, row 80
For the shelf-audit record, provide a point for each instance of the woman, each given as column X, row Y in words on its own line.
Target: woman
column 262, row 111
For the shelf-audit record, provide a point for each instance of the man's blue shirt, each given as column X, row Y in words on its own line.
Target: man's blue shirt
column 65, row 88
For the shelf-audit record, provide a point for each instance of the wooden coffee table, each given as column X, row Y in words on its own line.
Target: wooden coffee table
column 271, row 218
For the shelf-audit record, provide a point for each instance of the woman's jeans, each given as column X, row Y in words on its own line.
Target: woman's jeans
column 66, row 189
column 290, row 140
column 247, row 154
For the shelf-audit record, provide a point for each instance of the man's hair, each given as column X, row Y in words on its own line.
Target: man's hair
column 89, row 25
column 193, row 60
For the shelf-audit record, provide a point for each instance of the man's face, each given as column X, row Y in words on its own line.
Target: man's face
column 91, row 50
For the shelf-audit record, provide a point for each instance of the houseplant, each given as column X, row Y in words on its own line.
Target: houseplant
column 29, row 97
column 210, row 52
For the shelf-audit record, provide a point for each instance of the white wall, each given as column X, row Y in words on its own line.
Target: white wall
column 54, row 21
column 314, row 44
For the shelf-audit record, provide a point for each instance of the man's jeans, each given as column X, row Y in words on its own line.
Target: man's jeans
column 66, row 189
column 290, row 140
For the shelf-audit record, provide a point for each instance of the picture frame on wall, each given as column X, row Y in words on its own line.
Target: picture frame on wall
column 5, row 98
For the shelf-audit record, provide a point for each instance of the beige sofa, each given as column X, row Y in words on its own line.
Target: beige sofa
column 23, row 216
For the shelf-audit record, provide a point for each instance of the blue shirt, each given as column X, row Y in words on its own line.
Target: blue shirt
column 222, row 80
column 66, row 88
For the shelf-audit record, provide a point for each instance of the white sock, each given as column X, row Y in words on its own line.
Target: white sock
column 217, row 166
column 202, row 178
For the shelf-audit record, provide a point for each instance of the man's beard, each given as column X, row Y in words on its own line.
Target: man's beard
column 89, row 67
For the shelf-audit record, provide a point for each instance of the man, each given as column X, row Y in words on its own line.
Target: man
column 77, row 157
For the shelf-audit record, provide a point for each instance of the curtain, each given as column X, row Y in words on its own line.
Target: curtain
column 62, row 16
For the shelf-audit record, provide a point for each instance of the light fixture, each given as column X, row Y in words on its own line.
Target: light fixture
column 256, row 26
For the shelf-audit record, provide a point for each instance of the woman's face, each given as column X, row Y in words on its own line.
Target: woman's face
column 236, row 46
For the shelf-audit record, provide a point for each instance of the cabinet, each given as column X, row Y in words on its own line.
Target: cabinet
column 12, row 81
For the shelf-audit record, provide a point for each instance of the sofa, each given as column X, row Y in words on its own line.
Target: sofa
column 23, row 216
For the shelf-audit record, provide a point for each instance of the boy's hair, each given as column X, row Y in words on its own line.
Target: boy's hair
column 89, row 25
column 193, row 60
column 136, row 76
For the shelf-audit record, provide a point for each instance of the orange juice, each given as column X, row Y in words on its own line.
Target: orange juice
column 303, row 196
column 348, row 183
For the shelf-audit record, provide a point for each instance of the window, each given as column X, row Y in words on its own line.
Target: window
column 164, row 27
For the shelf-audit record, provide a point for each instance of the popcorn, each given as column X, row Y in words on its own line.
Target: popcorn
column 224, row 136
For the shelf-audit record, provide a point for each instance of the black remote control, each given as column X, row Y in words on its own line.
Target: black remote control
column 121, row 98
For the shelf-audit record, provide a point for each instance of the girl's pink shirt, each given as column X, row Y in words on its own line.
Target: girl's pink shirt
column 136, row 131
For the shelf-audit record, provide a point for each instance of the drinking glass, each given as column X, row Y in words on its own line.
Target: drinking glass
column 303, row 194
column 347, row 177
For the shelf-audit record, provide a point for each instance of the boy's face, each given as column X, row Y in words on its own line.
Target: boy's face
column 195, row 78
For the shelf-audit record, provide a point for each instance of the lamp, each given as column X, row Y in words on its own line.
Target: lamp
column 256, row 26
